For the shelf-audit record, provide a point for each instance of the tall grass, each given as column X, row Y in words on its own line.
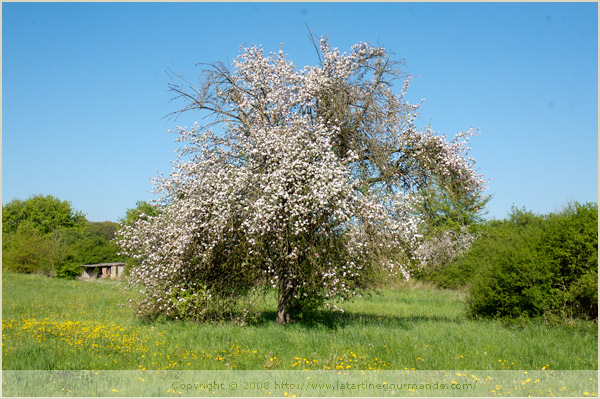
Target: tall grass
column 57, row 324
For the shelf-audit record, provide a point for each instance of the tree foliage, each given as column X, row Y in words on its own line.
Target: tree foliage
column 44, row 234
column 96, row 245
column 44, row 213
column 310, row 185
column 106, row 230
column 142, row 209
column 34, row 231
column 27, row 250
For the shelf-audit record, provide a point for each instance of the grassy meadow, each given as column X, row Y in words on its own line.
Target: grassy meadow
column 53, row 324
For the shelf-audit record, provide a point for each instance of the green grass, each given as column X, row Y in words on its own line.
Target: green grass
column 53, row 324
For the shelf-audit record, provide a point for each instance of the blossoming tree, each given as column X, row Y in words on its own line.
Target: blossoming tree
column 303, row 179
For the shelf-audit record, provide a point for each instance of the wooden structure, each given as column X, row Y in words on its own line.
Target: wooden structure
column 112, row 270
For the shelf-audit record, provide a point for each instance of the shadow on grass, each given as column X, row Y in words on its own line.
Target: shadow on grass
column 335, row 320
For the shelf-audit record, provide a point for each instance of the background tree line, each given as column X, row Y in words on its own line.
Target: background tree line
column 45, row 235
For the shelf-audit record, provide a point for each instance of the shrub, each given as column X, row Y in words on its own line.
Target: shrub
column 69, row 268
column 536, row 266
column 571, row 241
column 27, row 250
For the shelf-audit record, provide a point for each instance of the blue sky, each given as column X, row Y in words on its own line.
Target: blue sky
column 84, row 88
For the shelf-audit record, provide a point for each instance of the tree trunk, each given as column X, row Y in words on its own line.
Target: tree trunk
column 284, row 297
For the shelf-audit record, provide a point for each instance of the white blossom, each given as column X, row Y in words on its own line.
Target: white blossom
column 271, row 201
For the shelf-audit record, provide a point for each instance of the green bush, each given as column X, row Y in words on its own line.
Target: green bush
column 27, row 250
column 94, row 249
column 69, row 268
column 536, row 266
column 571, row 241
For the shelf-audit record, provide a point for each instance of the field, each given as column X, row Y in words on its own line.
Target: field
column 53, row 324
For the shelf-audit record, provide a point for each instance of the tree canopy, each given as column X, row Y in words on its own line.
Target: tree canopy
column 46, row 213
column 310, row 184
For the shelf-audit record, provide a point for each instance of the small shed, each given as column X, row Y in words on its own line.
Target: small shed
column 112, row 270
